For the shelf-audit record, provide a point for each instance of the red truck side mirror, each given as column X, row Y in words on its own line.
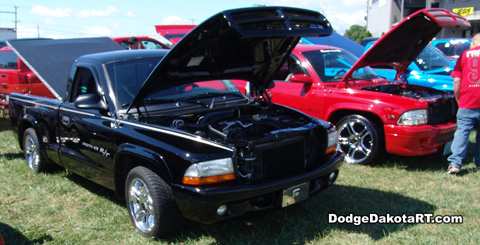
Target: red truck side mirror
column 301, row 78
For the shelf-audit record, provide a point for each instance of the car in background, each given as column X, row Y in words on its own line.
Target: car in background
column 15, row 76
column 372, row 114
column 145, row 42
column 431, row 68
column 452, row 48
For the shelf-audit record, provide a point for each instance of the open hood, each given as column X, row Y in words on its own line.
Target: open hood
column 51, row 59
column 404, row 42
column 248, row 44
column 173, row 33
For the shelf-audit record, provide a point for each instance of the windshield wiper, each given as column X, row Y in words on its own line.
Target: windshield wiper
column 188, row 100
column 369, row 76
column 208, row 95
column 193, row 99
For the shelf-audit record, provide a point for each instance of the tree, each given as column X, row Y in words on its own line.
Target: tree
column 357, row 33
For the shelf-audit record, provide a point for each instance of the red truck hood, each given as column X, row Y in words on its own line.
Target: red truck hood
column 248, row 44
column 401, row 44
column 173, row 33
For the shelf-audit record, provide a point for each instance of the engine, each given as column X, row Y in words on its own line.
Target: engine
column 235, row 127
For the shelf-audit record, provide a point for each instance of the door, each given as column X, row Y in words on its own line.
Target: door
column 86, row 135
column 299, row 95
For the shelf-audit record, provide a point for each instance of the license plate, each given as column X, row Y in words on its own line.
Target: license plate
column 295, row 194
column 447, row 148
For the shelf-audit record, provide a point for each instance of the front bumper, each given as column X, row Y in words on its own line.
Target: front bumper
column 201, row 204
column 417, row 140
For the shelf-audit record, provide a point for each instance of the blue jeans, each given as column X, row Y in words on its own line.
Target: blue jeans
column 467, row 120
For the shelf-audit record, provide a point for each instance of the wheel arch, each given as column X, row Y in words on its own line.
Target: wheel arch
column 129, row 156
column 26, row 122
column 372, row 117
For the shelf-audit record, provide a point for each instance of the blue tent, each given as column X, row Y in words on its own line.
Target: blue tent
column 337, row 40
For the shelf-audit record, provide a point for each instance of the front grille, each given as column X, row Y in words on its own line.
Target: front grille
column 283, row 160
column 273, row 160
column 282, row 155
column 442, row 111
column 444, row 138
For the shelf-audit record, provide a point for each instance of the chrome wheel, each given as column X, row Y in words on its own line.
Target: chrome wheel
column 358, row 139
column 31, row 152
column 150, row 203
column 141, row 205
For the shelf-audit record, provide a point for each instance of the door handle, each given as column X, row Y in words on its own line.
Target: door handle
column 65, row 120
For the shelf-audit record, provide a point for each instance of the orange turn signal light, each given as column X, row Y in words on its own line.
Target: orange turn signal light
column 208, row 180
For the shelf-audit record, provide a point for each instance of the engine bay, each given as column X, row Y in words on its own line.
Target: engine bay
column 237, row 126
column 411, row 91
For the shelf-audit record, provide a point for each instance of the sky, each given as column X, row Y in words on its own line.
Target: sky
column 116, row 18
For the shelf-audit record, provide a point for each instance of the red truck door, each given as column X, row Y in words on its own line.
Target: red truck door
column 295, row 87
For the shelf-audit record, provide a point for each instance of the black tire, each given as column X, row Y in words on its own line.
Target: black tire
column 33, row 153
column 151, row 205
column 359, row 140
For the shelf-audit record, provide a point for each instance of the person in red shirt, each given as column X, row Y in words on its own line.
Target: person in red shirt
column 466, row 87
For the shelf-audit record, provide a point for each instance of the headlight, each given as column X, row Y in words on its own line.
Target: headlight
column 209, row 172
column 412, row 118
column 332, row 140
column 332, row 137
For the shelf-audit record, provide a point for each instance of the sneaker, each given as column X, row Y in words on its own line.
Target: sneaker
column 453, row 170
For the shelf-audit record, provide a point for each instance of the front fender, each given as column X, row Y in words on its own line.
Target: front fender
column 385, row 106
column 129, row 156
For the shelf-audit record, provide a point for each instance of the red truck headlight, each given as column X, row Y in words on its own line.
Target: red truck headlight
column 413, row 118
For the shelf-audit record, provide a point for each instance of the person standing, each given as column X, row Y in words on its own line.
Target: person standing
column 133, row 43
column 466, row 87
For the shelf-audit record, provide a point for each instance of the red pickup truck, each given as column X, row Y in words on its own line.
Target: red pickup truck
column 16, row 77
column 373, row 115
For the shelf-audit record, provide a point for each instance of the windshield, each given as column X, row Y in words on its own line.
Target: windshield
column 127, row 77
column 332, row 64
column 431, row 58
column 453, row 49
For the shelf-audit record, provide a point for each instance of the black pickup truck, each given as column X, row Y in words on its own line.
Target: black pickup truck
column 168, row 131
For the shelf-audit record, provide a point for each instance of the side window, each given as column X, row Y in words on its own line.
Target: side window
column 8, row 60
column 445, row 48
column 289, row 68
column 124, row 44
column 84, row 83
column 147, row 44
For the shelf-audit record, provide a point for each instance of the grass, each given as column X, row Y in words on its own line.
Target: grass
column 62, row 208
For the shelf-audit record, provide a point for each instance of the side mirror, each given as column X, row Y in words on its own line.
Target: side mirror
column 90, row 101
column 301, row 78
